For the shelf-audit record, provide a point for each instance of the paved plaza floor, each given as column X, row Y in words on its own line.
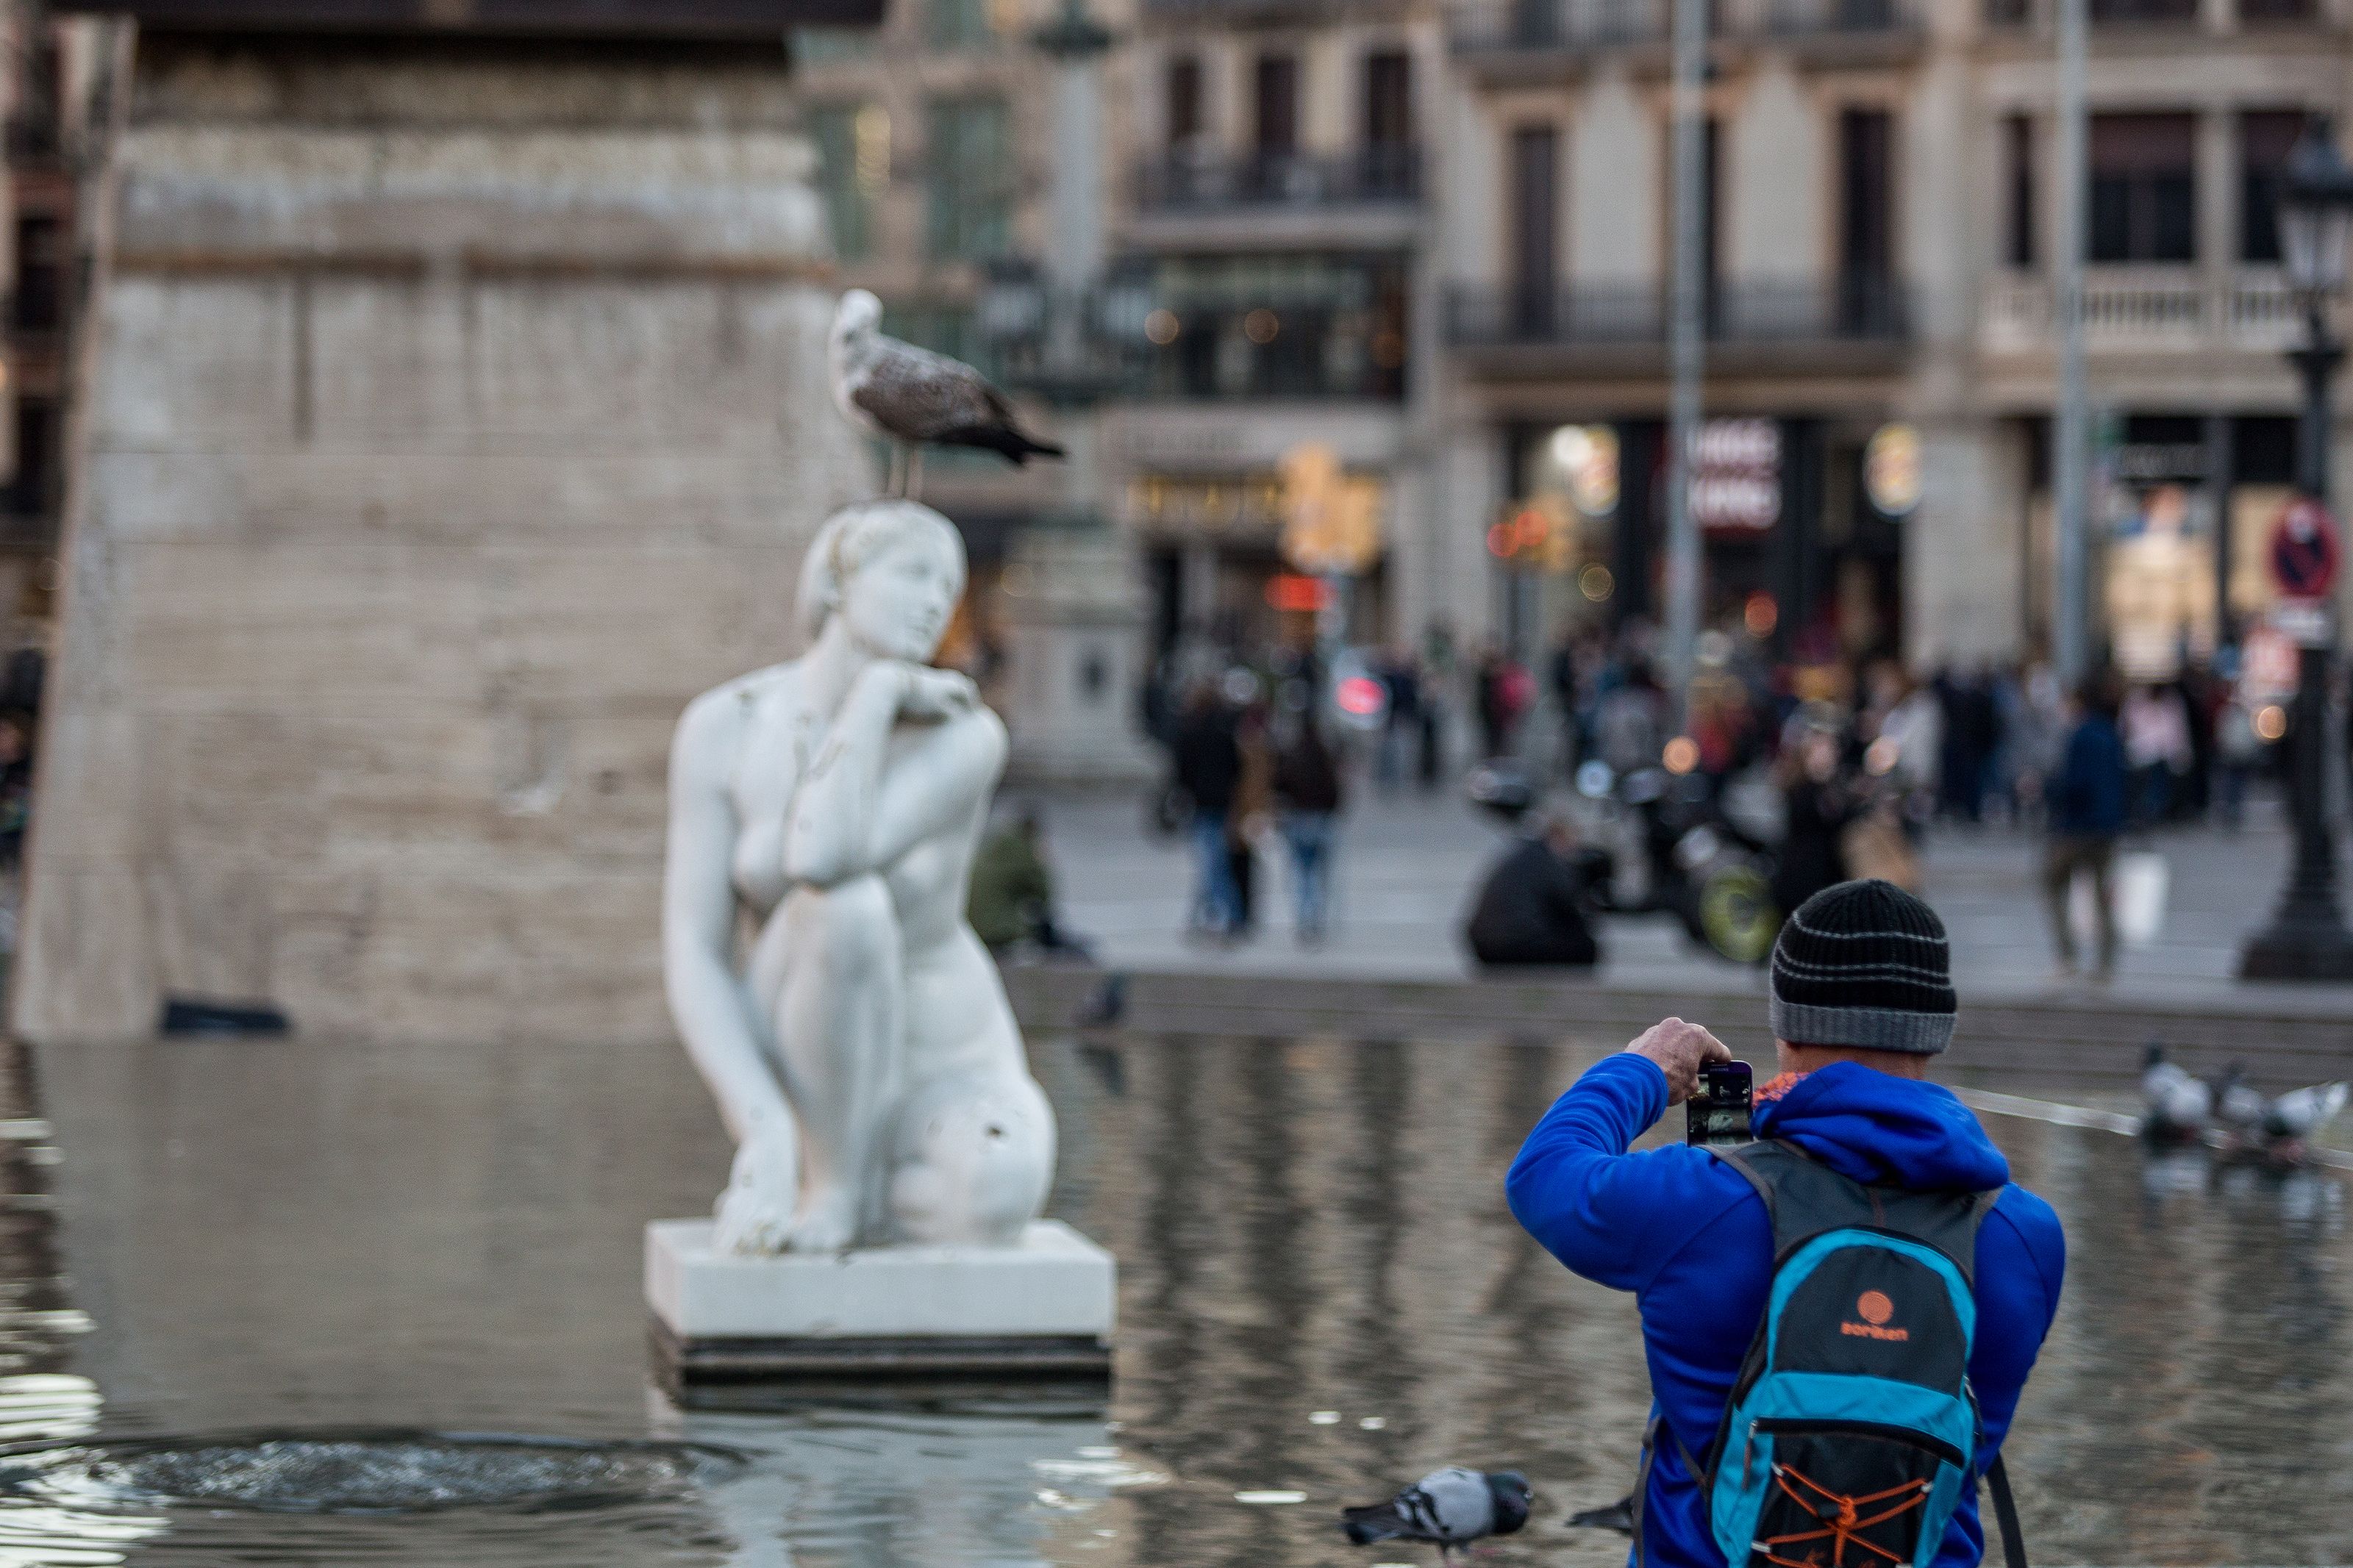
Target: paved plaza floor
column 1407, row 865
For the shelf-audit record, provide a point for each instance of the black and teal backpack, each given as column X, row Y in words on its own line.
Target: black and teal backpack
column 1852, row 1431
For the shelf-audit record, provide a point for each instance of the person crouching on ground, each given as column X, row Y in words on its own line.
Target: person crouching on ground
column 1861, row 1001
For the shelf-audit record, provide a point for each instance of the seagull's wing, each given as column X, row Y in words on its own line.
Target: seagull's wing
column 918, row 395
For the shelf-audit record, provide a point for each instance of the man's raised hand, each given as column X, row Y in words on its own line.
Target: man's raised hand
column 1680, row 1049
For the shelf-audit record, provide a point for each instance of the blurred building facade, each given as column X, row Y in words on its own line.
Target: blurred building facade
column 1877, row 255
column 57, row 85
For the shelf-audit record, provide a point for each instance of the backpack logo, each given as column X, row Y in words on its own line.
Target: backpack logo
column 1875, row 1308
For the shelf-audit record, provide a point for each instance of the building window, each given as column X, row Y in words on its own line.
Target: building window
column 2018, row 193
column 2265, row 139
column 40, row 275
column 1282, row 326
column 2125, row 11
column 1276, row 132
column 2144, row 188
column 1389, row 98
column 1866, row 234
column 853, row 146
column 2278, row 10
column 958, row 24
column 969, row 145
column 1184, row 103
column 31, row 488
column 832, row 45
column 1536, row 224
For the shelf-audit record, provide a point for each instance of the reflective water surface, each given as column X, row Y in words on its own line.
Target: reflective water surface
column 234, row 1246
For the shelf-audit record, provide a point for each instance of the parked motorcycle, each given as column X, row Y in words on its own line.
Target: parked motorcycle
column 1666, row 844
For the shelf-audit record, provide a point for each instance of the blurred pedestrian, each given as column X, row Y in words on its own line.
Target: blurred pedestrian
column 1629, row 722
column 1011, row 902
column 1531, row 909
column 1247, row 819
column 2238, row 752
column 2087, row 809
column 1501, row 690
column 1400, row 675
column 1436, row 684
column 2155, row 729
column 1208, row 767
column 1308, row 797
column 1821, row 804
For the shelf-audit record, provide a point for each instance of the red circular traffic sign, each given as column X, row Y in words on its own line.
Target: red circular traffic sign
column 2303, row 550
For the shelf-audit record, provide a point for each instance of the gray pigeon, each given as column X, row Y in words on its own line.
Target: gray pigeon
column 2177, row 1104
column 913, row 397
column 1448, row 1508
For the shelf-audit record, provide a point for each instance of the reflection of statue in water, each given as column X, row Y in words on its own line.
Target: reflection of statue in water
column 863, row 1053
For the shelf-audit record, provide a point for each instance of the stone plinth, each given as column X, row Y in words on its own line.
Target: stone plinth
column 736, row 1331
column 456, row 412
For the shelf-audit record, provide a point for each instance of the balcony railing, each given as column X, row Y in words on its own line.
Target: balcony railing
column 2177, row 14
column 2154, row 309
column 1193, row 182
column 1548, row 24
column 1866, row 310
column 1543, row 26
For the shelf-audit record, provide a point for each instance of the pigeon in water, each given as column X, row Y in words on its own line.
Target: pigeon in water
column 2277, row 1129
column 2177, row 1103
column 1448, row 1508
column 2239, row 1106
column 2291, row 1119
column 913, row 397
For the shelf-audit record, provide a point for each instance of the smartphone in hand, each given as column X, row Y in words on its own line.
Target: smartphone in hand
column 1718, row 1113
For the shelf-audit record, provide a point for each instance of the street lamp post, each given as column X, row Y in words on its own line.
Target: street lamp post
column 2307, row 938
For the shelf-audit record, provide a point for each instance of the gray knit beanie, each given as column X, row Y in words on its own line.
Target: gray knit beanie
column 1866, row 965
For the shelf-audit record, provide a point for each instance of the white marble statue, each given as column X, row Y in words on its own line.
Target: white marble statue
column 861, row 1050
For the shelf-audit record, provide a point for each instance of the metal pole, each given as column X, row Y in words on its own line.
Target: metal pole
column 2070, row 432
column 1686, row 349
column 2307, row 938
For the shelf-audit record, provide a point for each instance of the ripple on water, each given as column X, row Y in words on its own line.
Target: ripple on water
column 362, row 1472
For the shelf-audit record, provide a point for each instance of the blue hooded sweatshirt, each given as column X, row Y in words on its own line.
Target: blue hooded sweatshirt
column 1690, row 1238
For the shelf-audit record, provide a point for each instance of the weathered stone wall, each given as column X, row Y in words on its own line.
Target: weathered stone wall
column 456, row 413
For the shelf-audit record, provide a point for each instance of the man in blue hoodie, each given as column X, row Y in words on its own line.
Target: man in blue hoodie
column 1862, row 1001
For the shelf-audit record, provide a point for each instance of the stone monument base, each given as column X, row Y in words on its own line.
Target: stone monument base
column 899, row 1321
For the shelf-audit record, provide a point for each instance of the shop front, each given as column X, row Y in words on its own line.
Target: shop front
column 1801, row 519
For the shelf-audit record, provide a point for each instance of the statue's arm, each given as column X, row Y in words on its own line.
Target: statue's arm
column 698, row 927
column 852, row 815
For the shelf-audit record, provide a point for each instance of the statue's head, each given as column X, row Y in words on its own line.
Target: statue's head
column 892, row 571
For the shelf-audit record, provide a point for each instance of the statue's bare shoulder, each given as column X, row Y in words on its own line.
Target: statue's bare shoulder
column 714, row 725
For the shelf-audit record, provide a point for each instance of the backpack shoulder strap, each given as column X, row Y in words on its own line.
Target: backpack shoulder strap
column 2005, row 1513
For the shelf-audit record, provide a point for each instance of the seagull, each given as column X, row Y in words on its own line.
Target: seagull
column 2178, row 1104
column 1449, row 1508
column 912, row 397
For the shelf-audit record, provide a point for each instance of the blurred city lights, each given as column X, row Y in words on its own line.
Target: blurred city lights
column 1596, row 583
column 1881, row 757
column 1161, row 327
column 2270, row 721
column 1360, row 696
column 1260, row 325
column 1760, row 614
column 1294, row 592
column 1680, row 755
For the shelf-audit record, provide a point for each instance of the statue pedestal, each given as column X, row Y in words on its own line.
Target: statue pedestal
column 748, row 1332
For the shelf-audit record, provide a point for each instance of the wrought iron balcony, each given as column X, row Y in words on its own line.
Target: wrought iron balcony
column 1192, row 182
column 1858, row 311
column 1545, row 26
